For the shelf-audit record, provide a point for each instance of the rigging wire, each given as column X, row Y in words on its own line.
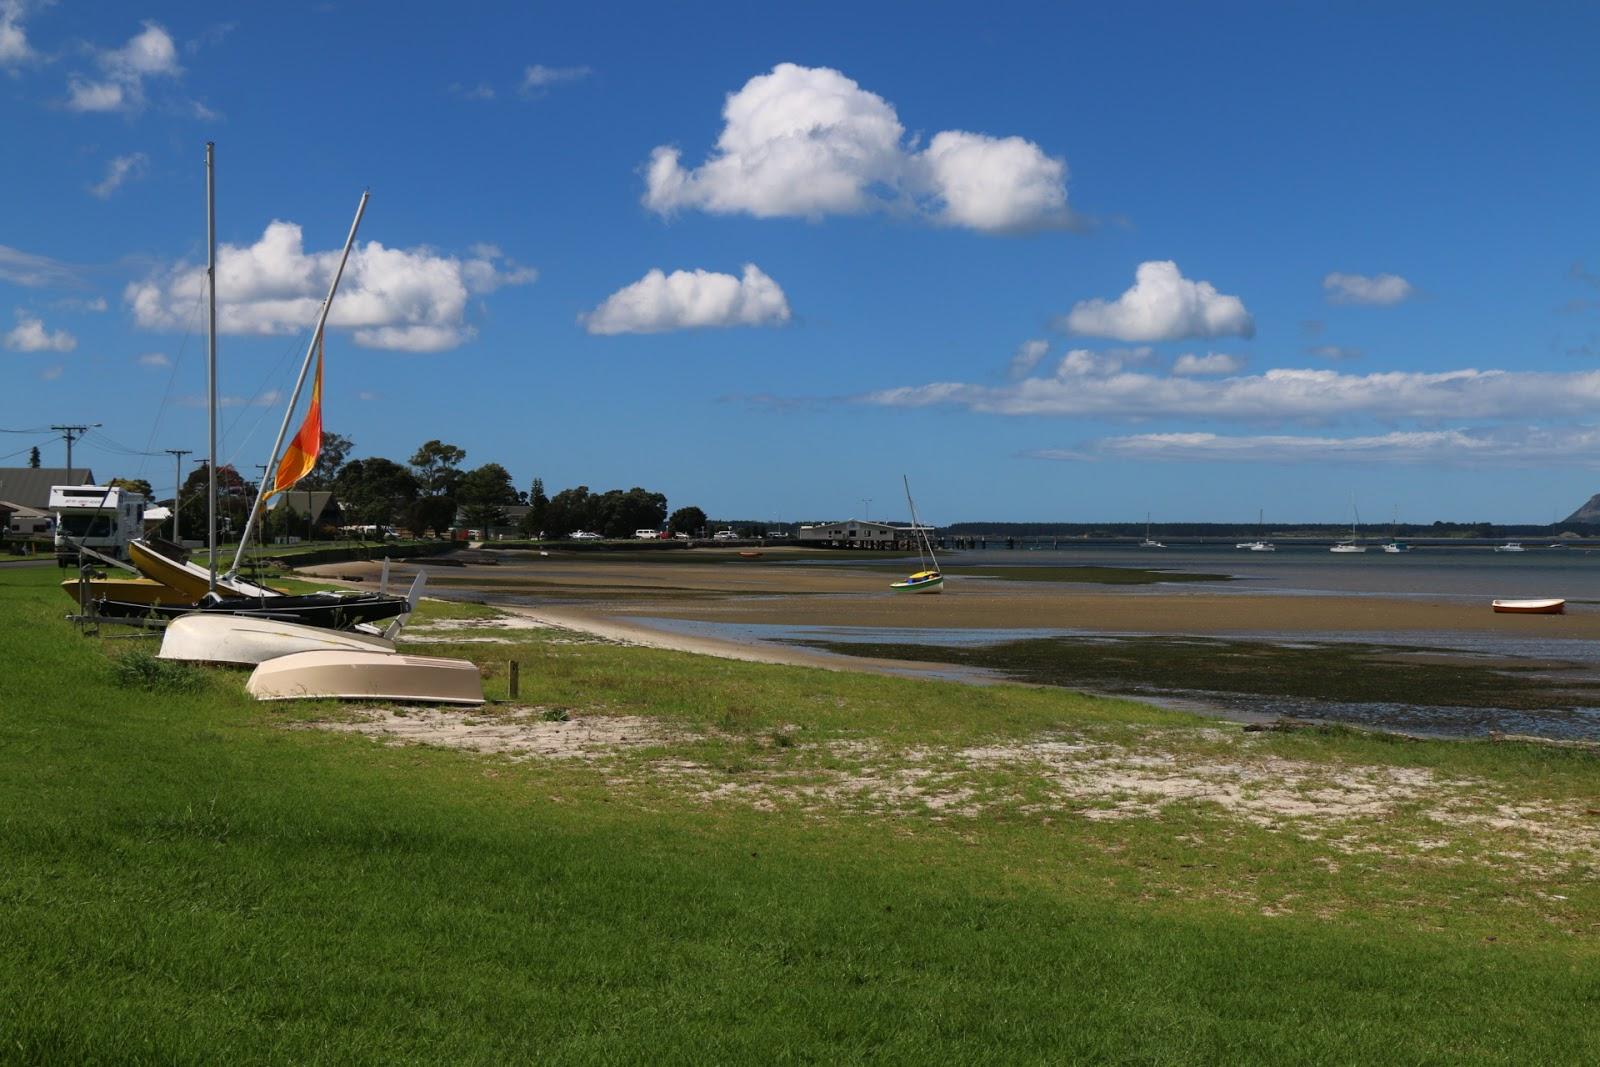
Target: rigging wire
column 172, row 377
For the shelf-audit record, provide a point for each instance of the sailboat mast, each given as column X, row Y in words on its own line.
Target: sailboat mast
column 311, row 349
column 211, row 361
column 916, row 531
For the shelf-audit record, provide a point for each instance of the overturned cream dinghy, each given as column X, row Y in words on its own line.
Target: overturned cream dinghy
column 342, row 675
column 247, row 640
column 215, row 637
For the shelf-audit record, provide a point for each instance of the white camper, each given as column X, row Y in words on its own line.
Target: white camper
column 102, row 517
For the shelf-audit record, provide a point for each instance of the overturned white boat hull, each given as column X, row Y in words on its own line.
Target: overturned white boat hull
column 248, row 640
column 346, row 675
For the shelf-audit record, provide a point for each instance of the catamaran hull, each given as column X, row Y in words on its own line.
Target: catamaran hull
column 328, row 610
column 190, row 579
column 247, row 641
column 127, row 590
column 367, row 676
column 1530, row 607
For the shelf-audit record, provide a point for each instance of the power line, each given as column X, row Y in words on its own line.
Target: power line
column 70, row 433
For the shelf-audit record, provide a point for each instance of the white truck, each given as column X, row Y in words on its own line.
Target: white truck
column 102, row 517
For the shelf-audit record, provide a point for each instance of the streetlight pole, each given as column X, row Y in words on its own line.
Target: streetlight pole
column 177, row 488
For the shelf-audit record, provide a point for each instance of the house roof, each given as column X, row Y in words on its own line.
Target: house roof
column 30, row 486
column 301, row 501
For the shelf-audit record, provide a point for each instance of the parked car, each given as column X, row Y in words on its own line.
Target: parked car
column 777, row 533
column 724, row 535
column 584, row 535
column 680, row 536
column 646, row 535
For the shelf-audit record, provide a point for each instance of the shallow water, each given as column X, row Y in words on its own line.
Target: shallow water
column 1573, row 573
column 1581, row 723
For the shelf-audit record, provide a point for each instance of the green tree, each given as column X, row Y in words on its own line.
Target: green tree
column 483, row 495
column 375, row 491
column 690, row 520
column 437, row 466
column 431, row 513
column 33, row 457
column 134, row 485
column 533, row 519
column 568, row 511
column 330, row 457
column 234, row 498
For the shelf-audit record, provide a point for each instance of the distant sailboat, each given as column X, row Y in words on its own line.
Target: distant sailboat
column 1149, row 542
column 927, row 579
column 1260, row 544
column 1352, row 545
column 1394, row 544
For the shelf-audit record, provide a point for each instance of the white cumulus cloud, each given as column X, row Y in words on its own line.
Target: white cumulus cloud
column 30, row 335
column 808, row 141
column 1191, row 365
column 1360, row 289
column 119, row 170
column 1162, row 305
column 412, row 300
column 120, row 86
column 686, row 300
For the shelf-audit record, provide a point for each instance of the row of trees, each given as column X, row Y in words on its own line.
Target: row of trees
column 426, row 494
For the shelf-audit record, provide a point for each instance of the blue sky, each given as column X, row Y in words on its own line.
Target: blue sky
column 1370, row 228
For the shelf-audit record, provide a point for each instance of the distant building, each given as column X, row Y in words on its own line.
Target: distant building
column 30, row 486
column 857, row 533
column 508, row 529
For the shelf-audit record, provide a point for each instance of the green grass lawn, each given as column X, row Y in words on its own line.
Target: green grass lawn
column 188, row 876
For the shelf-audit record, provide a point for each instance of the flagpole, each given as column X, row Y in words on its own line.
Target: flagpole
column 311, row 349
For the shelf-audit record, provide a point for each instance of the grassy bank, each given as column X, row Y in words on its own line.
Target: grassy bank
column 735, row 862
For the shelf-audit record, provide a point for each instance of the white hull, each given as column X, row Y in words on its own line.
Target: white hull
column 1262, row 546
column 367, row 676
column 1531, row 607
column 1348, row 548
column 1513, row 547
column 240, row 639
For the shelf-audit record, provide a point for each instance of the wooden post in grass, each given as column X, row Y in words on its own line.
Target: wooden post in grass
column 515, row 678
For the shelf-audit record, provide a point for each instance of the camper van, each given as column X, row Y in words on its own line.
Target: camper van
column 102, row 517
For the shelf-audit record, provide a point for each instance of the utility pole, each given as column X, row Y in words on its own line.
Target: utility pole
column 177, row 488
column 72, row 433
column 866, row 509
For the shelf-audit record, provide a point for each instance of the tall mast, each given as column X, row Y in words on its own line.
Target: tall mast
column 311, row 349
column 211, row 359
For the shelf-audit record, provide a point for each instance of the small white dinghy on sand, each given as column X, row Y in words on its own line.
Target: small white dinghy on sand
column 341, row 675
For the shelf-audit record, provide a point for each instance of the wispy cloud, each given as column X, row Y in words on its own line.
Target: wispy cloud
column 154, row 359
column 35, row 271
column 1027, row 357
column 1519, row 447
column 120, row 170
column 1334, row 352
column 1379, row 289
column 120, row 85
column 1190, row 365
column 481, row 91
column 14, row 47
column 540, row 77
column 1293, row 395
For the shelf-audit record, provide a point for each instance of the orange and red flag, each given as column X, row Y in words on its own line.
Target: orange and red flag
column 301, row 455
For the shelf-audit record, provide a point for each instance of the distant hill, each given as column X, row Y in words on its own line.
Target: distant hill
column 1590, row 512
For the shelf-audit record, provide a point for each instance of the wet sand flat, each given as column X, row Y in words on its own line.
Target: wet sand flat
column 725, row 589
